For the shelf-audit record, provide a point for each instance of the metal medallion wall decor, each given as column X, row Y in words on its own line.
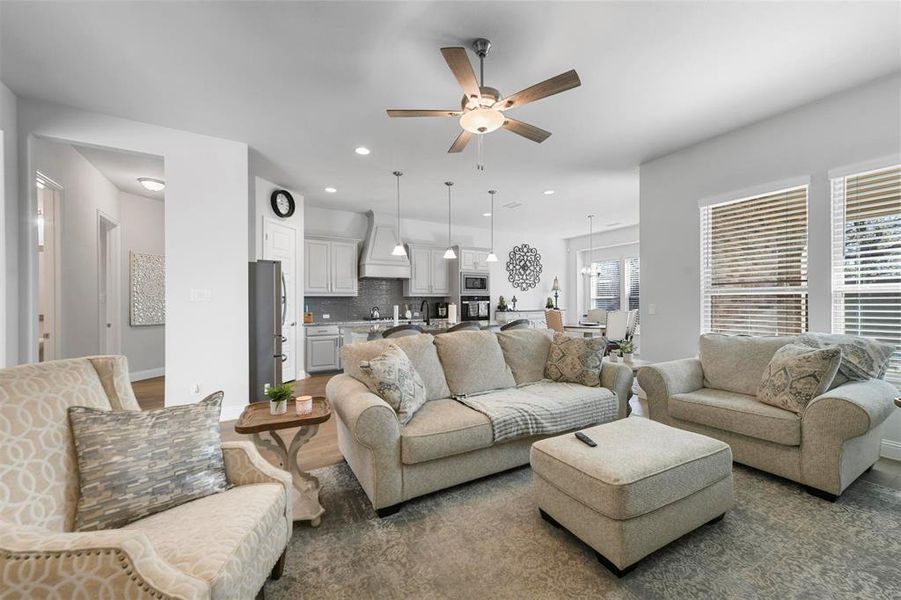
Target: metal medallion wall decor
column 148, row 290
column 524, row 267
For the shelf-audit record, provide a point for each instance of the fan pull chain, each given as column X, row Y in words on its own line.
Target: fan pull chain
column 480, row 163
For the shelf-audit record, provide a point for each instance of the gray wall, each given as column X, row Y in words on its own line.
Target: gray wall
column 842, row 130
column 143, row 230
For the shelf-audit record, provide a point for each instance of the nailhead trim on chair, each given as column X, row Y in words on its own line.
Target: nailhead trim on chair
column 123, row 559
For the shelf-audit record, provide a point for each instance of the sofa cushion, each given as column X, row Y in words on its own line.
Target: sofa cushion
column 525, row 350
column 862, row 358
column 473, row 362
column 443, row 428
column 132, row 464
column 420, row 349
column 392, row 377
column 230, row 540
column 798, row 374
column 575, row 359
column 738, row 413
column 638, row 466
column 735, row 363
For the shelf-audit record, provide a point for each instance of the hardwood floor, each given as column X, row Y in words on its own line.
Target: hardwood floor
column 321, row 451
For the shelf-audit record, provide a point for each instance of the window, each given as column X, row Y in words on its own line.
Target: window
column 606, row 284
column 754, row 264
column 866, row 258
column 632, row 280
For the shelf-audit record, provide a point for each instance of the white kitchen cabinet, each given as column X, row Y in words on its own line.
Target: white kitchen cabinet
column 473, row 260
column 330, row 267
column 322, row 348
column 429, row 272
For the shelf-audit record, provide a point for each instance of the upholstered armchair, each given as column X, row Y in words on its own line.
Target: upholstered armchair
column 220, row 546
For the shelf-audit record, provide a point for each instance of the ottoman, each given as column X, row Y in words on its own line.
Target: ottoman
column 643, row 486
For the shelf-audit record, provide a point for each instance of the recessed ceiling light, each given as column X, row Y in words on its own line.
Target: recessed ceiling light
column 331, row 190
column 154, row 185
column 548, row 192
column 361, row 150
column 486, row 214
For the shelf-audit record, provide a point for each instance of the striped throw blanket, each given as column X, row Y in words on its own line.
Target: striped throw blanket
column 543, row 408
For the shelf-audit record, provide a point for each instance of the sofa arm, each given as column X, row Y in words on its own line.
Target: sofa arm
column 369, row 439
column 114, row 563
column 244, row 465
column 660, row 381
column 618, row 378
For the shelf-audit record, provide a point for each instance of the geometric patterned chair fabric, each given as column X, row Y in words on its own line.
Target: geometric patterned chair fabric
column 41, row 555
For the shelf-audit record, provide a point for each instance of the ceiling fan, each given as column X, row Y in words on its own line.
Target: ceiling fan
column 482, row 108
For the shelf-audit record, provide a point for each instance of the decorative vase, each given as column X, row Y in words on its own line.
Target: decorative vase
column 627, row 357
column 278, row 408
column 303, row 405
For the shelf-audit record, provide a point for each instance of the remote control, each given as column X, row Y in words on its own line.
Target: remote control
column 585, row 439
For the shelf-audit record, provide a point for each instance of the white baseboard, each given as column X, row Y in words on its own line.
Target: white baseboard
column 148, row 374
column 891, row 449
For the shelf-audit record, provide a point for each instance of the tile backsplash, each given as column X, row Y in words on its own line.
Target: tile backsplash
column 384, row 293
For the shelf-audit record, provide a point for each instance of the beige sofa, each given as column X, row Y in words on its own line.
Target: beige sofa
column 446, row 443
column 826, row 448
column 221, row 546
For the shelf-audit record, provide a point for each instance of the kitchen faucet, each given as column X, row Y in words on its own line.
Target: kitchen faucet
column 426, row 304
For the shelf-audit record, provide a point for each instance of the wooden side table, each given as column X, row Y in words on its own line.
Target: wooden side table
column 256, row 420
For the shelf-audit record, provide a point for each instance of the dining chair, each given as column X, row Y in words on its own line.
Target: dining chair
column 554, row 319
column 631, row 323
column 597, row 315
column 464, row 326
column 517, row 324
column 617, row 325
column 402, row 330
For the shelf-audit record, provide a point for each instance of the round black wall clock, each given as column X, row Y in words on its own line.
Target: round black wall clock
column 282, row 203
column 524, row 267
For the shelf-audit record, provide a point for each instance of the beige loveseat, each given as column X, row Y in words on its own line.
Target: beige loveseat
column 220, row 546
column 826, row 448
column 447, row 443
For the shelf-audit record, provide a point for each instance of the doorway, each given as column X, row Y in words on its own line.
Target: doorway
column 49, row 194
column 109, row 308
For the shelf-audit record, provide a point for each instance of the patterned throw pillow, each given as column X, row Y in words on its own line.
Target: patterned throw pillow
column 132, row 464
column 797, row 374
column 575, row 359
column 862, row 358
column 393, row 378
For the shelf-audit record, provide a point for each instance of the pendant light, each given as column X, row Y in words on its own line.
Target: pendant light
column 399, row 248
column 492, row 257
column 586, row 270
column 449, row 253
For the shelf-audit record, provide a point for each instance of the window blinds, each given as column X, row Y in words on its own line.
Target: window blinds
column 606, row 284
column 632, row 282
column 866, row 258
column 754, row 264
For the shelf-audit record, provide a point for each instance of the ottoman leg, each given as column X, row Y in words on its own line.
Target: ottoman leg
column 612, row 567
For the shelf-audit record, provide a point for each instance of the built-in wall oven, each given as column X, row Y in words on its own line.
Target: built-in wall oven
column 475, row 308
column 474, row 284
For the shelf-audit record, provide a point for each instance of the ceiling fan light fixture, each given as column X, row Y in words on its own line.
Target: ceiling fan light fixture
column 482, row 120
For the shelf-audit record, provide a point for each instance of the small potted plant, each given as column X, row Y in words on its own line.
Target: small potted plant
column 279, row 395
column 501, row 304
column 627, row 348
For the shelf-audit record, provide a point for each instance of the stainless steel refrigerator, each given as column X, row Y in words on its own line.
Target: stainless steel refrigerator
column 267, row 315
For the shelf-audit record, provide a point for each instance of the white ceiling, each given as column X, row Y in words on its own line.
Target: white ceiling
column 124, row 168
column 304, row 83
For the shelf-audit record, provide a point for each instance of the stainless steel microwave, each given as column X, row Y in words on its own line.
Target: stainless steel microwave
column 474, row 284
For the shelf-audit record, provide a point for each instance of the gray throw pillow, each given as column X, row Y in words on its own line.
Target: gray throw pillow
column 393, row 378
column 132, row 464
column 575, row 359
column 797, row 374
column 862, row 358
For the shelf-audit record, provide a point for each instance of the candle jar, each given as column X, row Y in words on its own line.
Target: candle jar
column 304, row 405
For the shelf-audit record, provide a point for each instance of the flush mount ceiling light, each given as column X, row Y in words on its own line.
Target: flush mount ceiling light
column 449, row 254
column 151, row 184
column 331, row 190
column 487, row 214
column 399, row 246
column 548, row 192
column 361, row 150
column 492, row 257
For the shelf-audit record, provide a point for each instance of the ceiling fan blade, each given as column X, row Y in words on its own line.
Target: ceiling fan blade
column 549, row 87
column 460, row 142
column 402, row 112
column 459, row 64
column 530, row 132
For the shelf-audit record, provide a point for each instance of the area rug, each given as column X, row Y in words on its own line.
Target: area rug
column 486, row 539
